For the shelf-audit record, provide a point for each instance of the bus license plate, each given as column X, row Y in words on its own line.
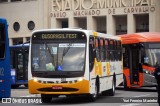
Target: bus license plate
column 56, row 87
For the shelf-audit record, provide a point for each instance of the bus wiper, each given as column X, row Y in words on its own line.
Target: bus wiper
column 49, row 51
column 65, row 50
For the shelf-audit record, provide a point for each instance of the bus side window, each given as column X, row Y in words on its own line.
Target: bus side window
column 97, row 47
column 102, row 50
column 119, row 55
column 116, row 50
column 107, row 49
column 91, row 53
column 111, row 49
column 125, row 56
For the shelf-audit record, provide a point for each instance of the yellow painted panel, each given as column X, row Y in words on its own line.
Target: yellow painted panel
column 108, row 68
column 82, row 86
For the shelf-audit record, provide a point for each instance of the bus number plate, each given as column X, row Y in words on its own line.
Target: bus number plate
column 56, row 87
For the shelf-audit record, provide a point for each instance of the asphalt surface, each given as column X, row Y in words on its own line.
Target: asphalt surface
column 146, row 96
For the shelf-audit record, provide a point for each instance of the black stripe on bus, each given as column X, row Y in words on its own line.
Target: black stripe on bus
column 107, row 76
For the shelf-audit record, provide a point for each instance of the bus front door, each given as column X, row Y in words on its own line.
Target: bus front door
column 134, row 65
column 22, row 63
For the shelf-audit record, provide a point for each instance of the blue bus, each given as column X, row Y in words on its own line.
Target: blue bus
column 19, row 65
column 5, row 72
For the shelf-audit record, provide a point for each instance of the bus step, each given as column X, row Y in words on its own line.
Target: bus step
column 134, row 85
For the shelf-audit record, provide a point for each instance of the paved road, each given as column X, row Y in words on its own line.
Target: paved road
column 121, row 98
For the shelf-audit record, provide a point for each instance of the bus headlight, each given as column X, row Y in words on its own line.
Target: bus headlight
column 80, row 79
column 35, row 79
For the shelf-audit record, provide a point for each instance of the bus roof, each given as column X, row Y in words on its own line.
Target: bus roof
column 140, row 37
column 3, row 20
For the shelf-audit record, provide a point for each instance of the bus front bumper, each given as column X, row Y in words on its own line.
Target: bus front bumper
column 80, row 87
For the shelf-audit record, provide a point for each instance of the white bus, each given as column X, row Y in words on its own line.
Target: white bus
column 74, row 62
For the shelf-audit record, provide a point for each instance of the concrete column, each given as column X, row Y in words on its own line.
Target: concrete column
column 158, row 16
column 152, row 24
column 91, row 23
column 10, row 41
column 111, row 25
column 45, row 14
column 72, row 22
column 131, row 24
column 53, row 23
column 24, row 39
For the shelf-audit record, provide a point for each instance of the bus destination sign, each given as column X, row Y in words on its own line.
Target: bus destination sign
column 59, row 36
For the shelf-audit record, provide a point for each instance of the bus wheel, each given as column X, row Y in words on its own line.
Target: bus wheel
column 46, row 98
column 125, row 84
column 96, row 90
column 26, row 85
column 112, row 91
column 14, row 86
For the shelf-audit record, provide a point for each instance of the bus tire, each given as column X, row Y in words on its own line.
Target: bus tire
column 26, row 85
column 125, row 83
column 112, row 90
column 14, row 86
column 46, row 98
column 94, row 96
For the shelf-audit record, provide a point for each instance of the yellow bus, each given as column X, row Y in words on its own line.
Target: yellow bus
column 74, row 62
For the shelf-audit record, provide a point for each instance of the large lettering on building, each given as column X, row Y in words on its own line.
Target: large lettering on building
column 87, row 7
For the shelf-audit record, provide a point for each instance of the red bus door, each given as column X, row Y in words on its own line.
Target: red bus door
column 134, row 66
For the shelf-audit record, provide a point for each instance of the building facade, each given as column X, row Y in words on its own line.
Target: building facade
column 107, row 16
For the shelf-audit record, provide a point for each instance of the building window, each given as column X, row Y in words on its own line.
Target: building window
column 2, row 41
column 31, row 25
column 16, row 26
column 101, row 24
column 3, row 1
column 62, row 23
column 17, row 41
column 15, row 0
column 81, row 22
column 142, row 22
column 28, row 39
column 121, row 24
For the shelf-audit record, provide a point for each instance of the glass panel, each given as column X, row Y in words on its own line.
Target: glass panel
column 2, row 41
column 20, row 74
column 2, row 50
column 58, row 57
column 2, row 35
column 26, row 64
column 12, row 58
column 152, row 57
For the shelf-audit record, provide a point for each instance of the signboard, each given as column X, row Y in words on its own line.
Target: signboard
column 57, row 35
column 81, row 8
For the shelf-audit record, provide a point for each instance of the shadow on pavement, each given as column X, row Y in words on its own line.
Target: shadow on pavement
column 142, row 89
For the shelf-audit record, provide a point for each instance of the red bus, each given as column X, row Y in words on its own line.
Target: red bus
column 141, row 53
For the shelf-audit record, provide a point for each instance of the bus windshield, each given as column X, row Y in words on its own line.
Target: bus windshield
column 152, row 56
column 58, row 56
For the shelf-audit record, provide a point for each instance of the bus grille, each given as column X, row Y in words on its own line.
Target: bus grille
column 56, row 82
column 64, row 89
